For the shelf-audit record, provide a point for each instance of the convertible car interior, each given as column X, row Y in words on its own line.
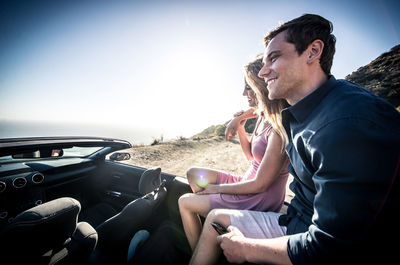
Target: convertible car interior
column 69, row 200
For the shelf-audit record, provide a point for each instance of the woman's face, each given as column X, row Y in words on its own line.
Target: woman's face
column 251, row 96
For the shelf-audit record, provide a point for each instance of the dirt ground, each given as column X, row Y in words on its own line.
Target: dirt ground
column 175, row 157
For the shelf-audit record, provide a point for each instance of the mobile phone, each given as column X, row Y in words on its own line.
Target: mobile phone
column 219, row 228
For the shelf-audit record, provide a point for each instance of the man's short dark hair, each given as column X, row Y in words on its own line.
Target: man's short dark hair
column 302, row 31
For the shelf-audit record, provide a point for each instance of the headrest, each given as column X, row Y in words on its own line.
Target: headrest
column 41, row 228
column 150, row 180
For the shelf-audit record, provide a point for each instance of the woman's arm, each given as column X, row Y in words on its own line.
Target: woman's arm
column 239, row 120
column 236, row 125
column 270, row 167
column 245, row 143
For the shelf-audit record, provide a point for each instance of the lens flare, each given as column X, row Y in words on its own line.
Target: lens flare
column 202, row 182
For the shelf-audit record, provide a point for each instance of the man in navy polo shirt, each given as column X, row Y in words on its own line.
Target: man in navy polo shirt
column 344, row 147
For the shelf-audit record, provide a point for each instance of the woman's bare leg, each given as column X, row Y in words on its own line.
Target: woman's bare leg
column 190, row 207
column 195, row 174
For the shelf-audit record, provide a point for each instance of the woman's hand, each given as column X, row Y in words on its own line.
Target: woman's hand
column 239, row 113
column 209, row 189
column 233, row 126
column 238, row 122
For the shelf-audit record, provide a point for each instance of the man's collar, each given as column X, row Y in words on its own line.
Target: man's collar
column 302, row 109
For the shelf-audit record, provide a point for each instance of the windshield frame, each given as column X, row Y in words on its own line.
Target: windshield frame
column 21, row 149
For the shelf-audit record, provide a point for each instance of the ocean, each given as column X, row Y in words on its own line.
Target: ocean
column 136, row 136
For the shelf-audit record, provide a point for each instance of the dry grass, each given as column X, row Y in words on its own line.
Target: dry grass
column 175, row 157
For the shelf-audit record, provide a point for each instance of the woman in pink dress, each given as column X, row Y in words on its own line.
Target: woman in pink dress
column 263, row 186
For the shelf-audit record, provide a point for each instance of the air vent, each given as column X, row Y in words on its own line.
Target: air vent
column 19, row 182
column 37, row 178
column 2, row 186
column 3, row 215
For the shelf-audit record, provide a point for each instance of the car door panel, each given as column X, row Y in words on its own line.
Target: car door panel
column 117, row 183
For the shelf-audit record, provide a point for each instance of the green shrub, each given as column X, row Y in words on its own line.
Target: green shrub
column 250, row 125
column 220, row 130
column 157, row 141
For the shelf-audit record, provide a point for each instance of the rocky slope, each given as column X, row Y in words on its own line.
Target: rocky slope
column 381, row 76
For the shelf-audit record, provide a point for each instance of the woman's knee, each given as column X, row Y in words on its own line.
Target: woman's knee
column 194, row 203
column 189, row 201
column 184, row 200
column 192, row 173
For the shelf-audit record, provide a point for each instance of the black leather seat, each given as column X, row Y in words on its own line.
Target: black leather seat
column 116, row 232
column 97, row 213
column 100, row 212
column 48, row 234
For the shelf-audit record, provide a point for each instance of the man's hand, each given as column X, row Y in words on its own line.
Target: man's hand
column 232, row 244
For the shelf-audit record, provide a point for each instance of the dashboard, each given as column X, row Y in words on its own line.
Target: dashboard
column 27, row 184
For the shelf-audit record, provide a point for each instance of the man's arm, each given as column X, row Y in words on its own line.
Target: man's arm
column 356, row 166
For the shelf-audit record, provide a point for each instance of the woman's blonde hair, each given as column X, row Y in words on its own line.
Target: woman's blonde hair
column 271, row 108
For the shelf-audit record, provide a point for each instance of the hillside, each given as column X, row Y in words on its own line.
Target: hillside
column 219, row 130
column 177, row 156
column 381, row 76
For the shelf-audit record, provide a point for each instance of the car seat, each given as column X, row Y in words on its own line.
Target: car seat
column 116, row 232
column 48, row 234
column 102, row 211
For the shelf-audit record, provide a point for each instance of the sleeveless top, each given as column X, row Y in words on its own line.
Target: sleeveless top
column 269, row 200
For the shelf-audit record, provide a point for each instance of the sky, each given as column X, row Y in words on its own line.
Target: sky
column 161, row 68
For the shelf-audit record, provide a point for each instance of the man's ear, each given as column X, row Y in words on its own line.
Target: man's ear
column 315, row 51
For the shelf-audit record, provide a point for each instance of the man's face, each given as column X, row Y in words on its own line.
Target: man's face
column 283, row 69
